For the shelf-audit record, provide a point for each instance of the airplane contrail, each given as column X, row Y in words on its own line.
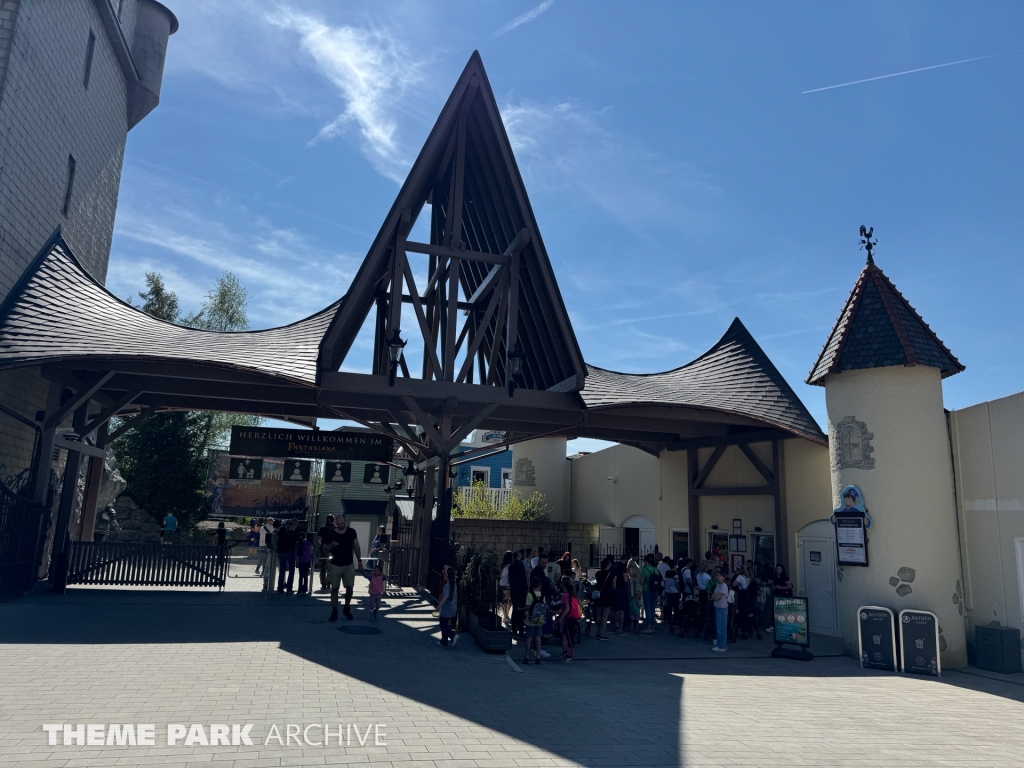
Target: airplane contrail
column 911, row 71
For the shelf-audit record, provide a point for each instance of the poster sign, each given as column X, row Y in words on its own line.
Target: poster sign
column 851, row 538
column 338, row 472
column 245, row 470
column 876, row 637
column 264, row 494
column 296, row 472
column 919, row 643
column 376, row 474
column 791, row 620
column 310, row 444
column 738, row 543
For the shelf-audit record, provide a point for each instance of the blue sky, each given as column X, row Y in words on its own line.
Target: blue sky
column 679, row 174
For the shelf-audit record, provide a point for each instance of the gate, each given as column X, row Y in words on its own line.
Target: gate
column 147, row 565
column 21, row 521
column 403, row 556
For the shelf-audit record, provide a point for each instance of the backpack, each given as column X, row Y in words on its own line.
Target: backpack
column 655, row 583
column 574, row 609
column 539, row 609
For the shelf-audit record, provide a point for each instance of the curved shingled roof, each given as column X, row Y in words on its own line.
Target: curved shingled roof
column 58, row 312
column 734, row 377
column 878, row 328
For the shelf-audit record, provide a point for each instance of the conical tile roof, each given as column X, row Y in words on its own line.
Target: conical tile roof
column 878, row 328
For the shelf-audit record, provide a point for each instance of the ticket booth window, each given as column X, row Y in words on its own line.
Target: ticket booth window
column 719, row 539
column 680, row 544
column 762, row 548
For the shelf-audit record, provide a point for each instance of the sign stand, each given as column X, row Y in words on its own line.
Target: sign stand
column 919, row 643
column 792, row 628
column 876, row 638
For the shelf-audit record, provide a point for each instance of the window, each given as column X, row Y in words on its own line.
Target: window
column 680, row 544
column 506, row 478
column 762, row 552
column 89, row 49
column 480, row 475
column 720, row 540
column 70, row 185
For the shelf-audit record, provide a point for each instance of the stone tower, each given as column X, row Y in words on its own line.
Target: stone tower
column 75, row 77
column 882, row 369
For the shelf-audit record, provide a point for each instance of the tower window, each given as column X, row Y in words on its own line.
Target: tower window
column 89, row 49
column 70, row 185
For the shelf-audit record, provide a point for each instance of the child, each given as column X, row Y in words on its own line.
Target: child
column 377, row 581
column 569, row 616
column 671, row 607
column 304, row 560
column 536, row 615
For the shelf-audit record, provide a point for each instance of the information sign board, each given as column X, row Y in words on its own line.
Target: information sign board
column 851, row 541
column 876, row 637
column 919, row 643
column 791, row 620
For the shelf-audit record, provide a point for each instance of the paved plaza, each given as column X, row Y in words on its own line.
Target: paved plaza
column 106, row 656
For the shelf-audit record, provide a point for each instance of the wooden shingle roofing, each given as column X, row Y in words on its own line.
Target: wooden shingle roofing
column 879, row 328
column 734, row 377
column 58, row 312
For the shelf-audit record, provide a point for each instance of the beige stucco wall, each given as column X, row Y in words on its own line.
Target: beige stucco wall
column 988, row 460
column 550, row 474
column 909, row 494
column 656, row 488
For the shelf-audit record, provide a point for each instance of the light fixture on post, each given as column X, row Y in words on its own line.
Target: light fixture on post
column 396, row 345
column 515, row 367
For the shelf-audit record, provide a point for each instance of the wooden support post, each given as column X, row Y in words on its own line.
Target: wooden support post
column 692, row 506
column 93, row 480
column 61, row 528
column 781, row 522
column 45, row 457
column 452, row 321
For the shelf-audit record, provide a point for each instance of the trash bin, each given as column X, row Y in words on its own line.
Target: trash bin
column 997, row 649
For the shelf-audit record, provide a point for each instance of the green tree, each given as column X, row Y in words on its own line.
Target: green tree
column 164, row 459
column 157, row 300
column 479, row 504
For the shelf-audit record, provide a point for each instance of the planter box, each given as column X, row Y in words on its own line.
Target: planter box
column 490, row 640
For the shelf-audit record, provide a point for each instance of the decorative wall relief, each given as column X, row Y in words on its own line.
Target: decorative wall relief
column 525, row 473
column 958, row 599
column 902, row 581
column 853, row 445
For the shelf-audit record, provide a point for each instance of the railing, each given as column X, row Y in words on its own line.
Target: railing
column 497, row 497
column 599, row 553
column 21, row 522
column 147, row 565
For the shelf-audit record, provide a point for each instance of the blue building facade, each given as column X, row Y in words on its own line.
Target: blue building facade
column 494, row 471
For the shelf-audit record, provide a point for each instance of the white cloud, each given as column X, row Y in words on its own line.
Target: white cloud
column 372, row 71
column 530, row 15
column 191, row 235
column 565, row 146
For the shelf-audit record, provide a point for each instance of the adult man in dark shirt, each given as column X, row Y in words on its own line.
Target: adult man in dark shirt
column 341, row 544
column 286, row 538
column 328, row 526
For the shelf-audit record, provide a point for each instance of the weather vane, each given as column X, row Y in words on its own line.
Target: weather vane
column 867, row 243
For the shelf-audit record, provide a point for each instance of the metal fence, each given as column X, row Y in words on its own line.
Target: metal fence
column 599, row 553
column 147, row 565
column 21, row 522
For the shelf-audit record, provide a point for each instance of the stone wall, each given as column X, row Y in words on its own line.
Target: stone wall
column 503, row 535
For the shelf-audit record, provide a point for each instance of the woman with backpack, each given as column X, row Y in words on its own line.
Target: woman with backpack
column 569, row 617
column 535, row 615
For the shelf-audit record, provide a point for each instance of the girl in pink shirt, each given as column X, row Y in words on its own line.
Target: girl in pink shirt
column 377, row 582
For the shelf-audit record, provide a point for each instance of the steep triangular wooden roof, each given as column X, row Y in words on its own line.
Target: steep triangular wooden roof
column 878, row 328
column 494, row 211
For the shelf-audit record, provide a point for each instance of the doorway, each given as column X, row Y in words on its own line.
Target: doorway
column 817, row 545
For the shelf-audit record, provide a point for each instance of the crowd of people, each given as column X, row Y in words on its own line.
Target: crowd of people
column 630, row 594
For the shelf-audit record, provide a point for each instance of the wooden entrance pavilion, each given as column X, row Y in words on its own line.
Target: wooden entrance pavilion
column 490, row 346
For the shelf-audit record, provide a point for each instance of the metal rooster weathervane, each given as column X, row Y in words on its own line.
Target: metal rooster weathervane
column 867, row 243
